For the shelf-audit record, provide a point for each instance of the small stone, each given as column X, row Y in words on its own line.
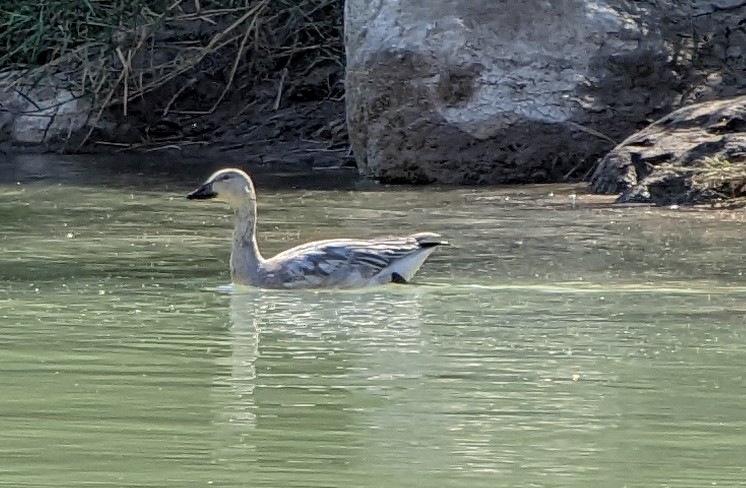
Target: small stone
column 40, row 110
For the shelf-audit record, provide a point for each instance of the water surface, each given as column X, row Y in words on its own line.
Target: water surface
column 558, row 342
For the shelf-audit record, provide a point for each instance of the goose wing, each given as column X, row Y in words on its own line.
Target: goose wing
column 347, row 259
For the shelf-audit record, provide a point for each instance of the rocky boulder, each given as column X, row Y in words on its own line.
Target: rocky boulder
column 696, row 154
column 492, row 91
column 39, row 111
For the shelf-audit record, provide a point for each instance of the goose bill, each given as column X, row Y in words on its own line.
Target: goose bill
column 204, row 192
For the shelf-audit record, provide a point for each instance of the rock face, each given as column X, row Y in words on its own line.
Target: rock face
column 39, row 112
column 696, row 154
column 492, row 91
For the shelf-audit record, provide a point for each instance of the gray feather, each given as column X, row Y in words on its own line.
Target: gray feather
column 345, row 260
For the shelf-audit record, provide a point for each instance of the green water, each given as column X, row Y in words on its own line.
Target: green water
column 554, row 344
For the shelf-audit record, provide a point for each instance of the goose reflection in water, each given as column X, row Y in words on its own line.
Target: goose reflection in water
column 299, row 344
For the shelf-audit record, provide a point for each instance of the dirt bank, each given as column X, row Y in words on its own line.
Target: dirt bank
column 305, row 134
column 259, row 80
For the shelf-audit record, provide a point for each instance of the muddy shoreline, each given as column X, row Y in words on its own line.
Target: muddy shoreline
column 306, row 136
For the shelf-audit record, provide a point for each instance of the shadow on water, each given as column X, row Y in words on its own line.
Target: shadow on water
column 148, row 172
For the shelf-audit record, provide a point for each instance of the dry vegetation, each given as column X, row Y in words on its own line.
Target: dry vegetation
column 175, row 61
column 715, row 178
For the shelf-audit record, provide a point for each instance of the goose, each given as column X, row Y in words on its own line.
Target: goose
column 334, row 263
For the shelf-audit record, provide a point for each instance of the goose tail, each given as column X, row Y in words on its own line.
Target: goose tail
column 430, row 239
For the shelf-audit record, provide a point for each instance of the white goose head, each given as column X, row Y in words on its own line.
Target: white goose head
column 229, row 185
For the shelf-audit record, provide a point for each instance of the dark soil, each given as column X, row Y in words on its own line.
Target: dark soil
column 301, row 133
column 243, row 81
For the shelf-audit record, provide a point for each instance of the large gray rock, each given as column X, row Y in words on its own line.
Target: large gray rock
column 39, row 111
column 503, row 91
column 696, row 154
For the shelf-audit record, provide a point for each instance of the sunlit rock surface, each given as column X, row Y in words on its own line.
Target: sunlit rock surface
column 492, row 91
column 696, row 154
column 40, row 110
